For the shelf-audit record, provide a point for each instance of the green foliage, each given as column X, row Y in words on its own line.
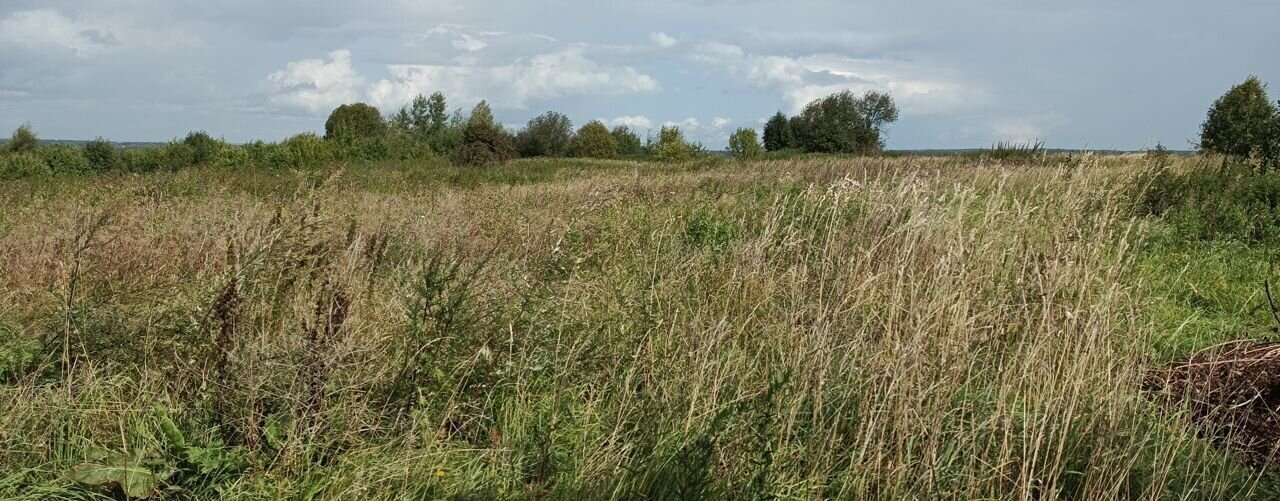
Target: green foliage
column 845, row 123
column 594, row 140
column 1014, row 151
column 102, row 155
column 743, row 144
column 64, row 159
column 129, row 475
column 354, row 122
column 628, row 141
column 1243, row 123
column 547, row 135
column 204, row 149
column 704, row 229
column 302, row 150
column 24, row 140
column 21, row 165
column 1230, row 201
column 484, row 142
column 17, row 352
column 672, row 147
column 777, row 133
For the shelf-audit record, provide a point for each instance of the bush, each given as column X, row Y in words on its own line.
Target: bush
column 1243, row 123
column 204, row 149
column 142, row 159
column 547, row 135
column 302, row 150
column 23, row 140
column 672, row 147
column 744, row 144
column 484, row 142
column 24, row 164
column 102, row 155
column 594, row 140
column 628, row 141
column 777, row 133
column 354, row 121
column 63, row 159
column 1212, row 201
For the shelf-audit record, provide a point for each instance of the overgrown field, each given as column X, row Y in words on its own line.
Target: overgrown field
column 554, row 329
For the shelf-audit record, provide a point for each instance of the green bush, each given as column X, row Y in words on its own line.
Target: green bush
column 628, row 141
column 672, row 147
column 777, row 133
column 23, row 140
column 1211, row 201
column 355, row 121
column 142, row 159
column 547, row 135
column 102, row 155
column 204, row 149
column 594, row 140
column 484, row 142
column 20, row 165
column 744, row 144
column 302, row 150
column 63, row 159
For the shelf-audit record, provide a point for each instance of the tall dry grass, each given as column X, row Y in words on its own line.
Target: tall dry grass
column 850, row 329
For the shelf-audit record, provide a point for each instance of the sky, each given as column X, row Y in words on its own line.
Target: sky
column 1077, row 74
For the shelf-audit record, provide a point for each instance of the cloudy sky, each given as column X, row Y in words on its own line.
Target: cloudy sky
column 1081, row 73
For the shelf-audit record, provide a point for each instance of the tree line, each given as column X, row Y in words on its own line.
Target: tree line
column 425, row 128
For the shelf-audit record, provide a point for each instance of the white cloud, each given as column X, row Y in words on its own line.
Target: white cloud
column 635, row 122
column 720, row 122
column 802, row 79
column 567, row 72
column 663, row 40
column 1027, row 128
column 316, row 85
column 48, row 28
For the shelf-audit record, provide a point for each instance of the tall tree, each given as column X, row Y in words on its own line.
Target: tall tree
column 546, row 135
column 594, row 140
column 354, row 121
column 1242, row 122
column 845, row 123
column 777, row 133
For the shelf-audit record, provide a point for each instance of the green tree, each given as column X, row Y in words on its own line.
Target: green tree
column 594, row 140
column 484, row 142
column 672, row 146
column 547, row 135
column 204, row 148
column 354, row 122
column 23, row 140
column 777, row 133
column 628, row 140
column 1242, row 123
column 437, row 114
column 744, row 144
column 845, row 123
column 102, row 155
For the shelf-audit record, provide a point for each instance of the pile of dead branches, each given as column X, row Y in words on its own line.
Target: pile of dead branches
column 1232, row 393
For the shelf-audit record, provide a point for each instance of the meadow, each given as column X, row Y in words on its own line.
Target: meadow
column 802, row 328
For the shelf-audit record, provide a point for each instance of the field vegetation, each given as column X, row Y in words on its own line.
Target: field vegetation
column 416, row 313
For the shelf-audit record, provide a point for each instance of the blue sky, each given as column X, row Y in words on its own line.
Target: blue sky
column 1097, row 74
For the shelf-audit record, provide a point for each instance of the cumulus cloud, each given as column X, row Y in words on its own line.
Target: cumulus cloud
column 317, row 85
column 800, row 80
column 635, row 122
column 567, row 72
column 48, row 28
column 720, row 122
column 663, row 40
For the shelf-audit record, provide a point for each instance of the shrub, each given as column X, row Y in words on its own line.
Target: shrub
column 484, row 142
column 844, row 123
column 354, row 121
column 102, row 155
column 142, row 159
column 24, row 164
column 744, row 144
column 64, row 159
column 594, row 140
column 23, row 140
column 547, row 135
column 671, row 145
column 204, row 149
column 777, row 133
column 628, row 141
column 1242, row 123
column 302, row 150
column 1213, row 201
